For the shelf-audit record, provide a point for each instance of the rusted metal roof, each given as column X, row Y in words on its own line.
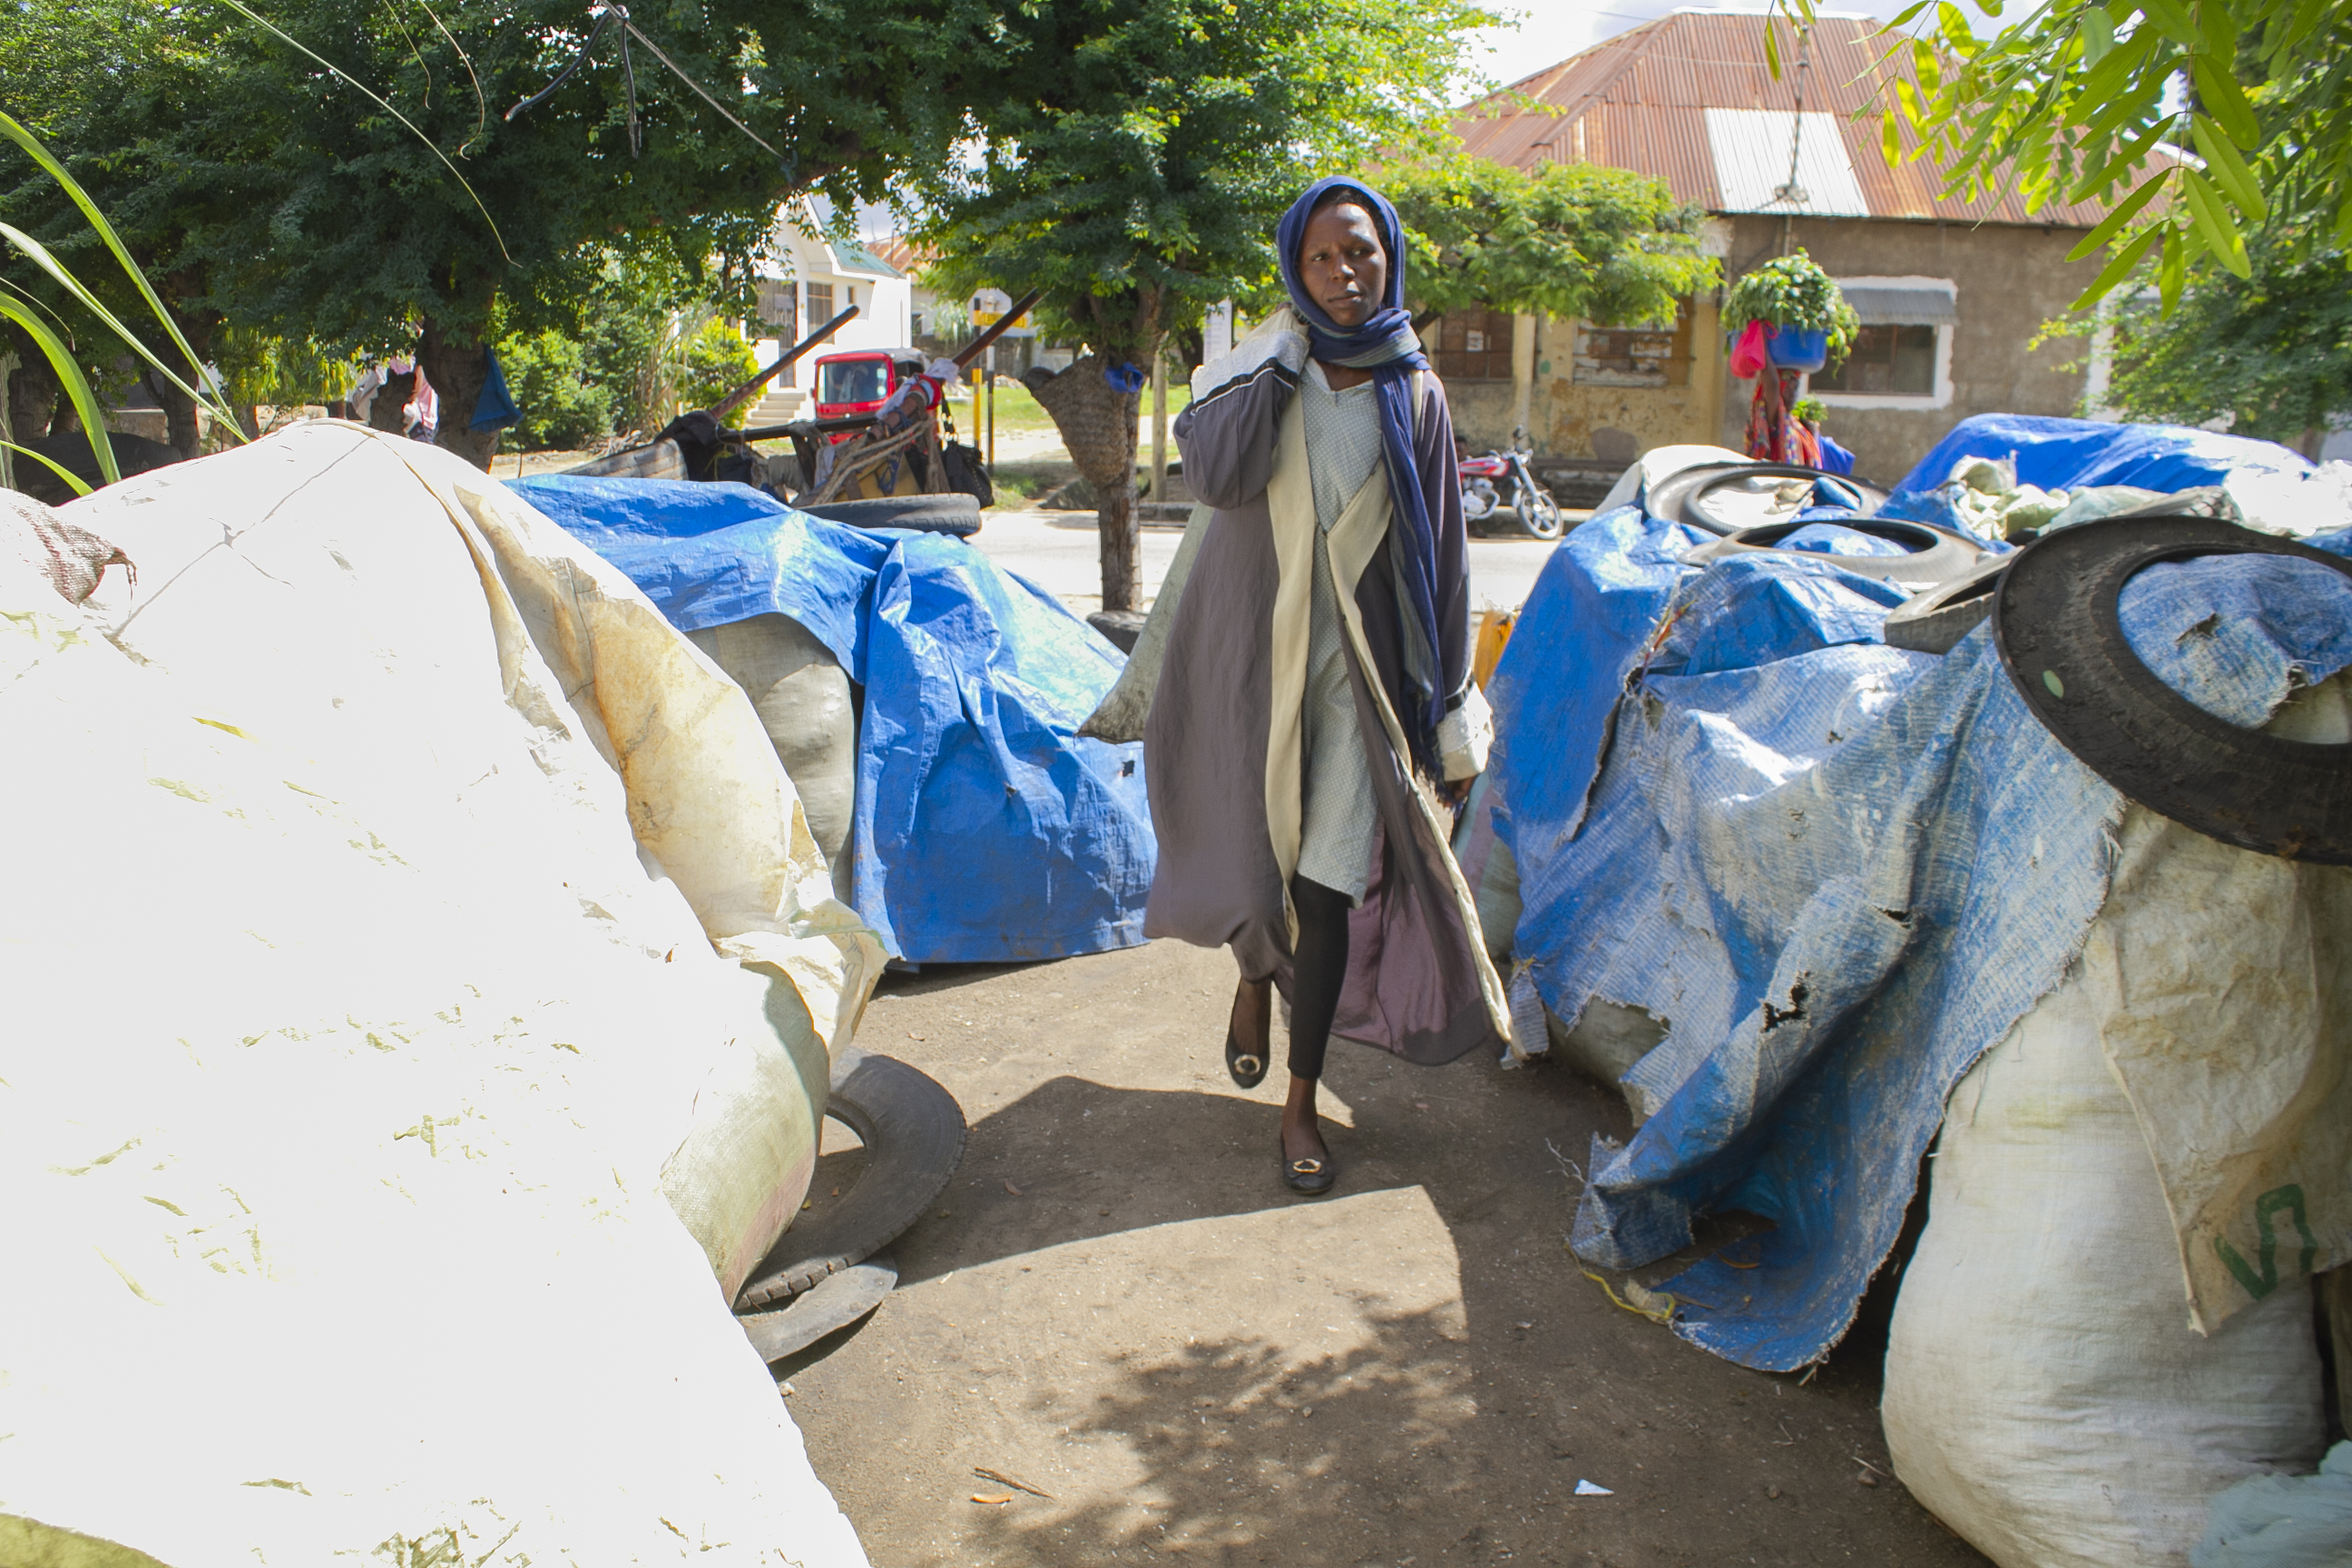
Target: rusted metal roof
column 1642, row 99
column 903, row 255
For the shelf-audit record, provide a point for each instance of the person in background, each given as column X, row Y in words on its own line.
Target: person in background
column 1315, row 707
column 419, row 408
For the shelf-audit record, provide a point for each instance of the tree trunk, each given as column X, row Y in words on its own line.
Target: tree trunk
column 1096, row 424
column 180, row 429
column 32, row 396
column 1122, row 547
column 457, row 366
column 385, row 411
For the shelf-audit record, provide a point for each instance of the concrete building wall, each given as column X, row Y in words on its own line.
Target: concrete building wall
column 885, row 302
column 1571, row 417
column 2007, row 281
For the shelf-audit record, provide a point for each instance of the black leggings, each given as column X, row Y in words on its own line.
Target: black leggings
column 1320, row 967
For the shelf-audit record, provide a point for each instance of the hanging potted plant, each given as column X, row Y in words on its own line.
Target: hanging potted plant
column 1807, row 322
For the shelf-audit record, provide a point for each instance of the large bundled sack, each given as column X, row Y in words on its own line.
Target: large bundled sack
column 374, row 1068
column 2070, row 454
column 2049, row 1394
column 985, row 828
column 2109, row 1319
column 806, row 706
column 1996, row 474
column 1815, row 878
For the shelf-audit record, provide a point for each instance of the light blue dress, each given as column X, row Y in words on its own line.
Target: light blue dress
column 1337, row 815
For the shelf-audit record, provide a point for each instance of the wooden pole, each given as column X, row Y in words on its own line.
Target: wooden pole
column 1159, row 428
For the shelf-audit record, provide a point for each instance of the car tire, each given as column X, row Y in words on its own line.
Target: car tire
column 954, row 513
column 2058, row 626
column 914, row 1132
column 837, row 1301
column 1679, row 497
column 1934, row 555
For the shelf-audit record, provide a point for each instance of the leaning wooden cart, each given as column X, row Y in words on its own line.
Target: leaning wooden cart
column 894, row 471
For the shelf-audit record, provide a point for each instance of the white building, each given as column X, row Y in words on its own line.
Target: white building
column 808, row 283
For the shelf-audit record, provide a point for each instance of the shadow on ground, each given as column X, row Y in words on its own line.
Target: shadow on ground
column 1120, row 1305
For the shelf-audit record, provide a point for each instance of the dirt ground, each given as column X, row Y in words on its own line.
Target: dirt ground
column 1119, row 1304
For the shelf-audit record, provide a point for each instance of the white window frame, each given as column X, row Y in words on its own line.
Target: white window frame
column 1900, row 402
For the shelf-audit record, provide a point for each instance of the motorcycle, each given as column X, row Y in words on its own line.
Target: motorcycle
column 1494, row 480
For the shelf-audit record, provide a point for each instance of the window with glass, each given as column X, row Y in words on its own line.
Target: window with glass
column 780, row 309
column 1887, row 360
column 1636, row 354
column 820, row 304
column 1471, row 346
column 852, row 381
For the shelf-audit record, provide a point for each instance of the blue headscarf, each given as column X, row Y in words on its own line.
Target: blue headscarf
column 1387, row 346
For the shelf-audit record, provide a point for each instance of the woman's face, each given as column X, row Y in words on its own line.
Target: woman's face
column 1342, row 265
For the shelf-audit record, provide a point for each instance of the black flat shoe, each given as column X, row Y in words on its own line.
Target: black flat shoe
column 1247, row 1067
column 1311, row 1176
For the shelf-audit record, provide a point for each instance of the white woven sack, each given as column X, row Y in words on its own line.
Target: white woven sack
column 803, row 697
column 368, row 1040
column 2046, row 1395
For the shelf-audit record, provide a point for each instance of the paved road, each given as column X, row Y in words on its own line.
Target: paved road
column 1059, row 551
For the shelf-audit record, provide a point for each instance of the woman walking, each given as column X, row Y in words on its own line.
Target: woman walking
column 1314, row 695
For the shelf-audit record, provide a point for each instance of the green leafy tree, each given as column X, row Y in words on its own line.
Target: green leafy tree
column 58, row 69
column 2271, row 353
column 624, row 367
column 346, row 175
column 1569, row 240
column 1136, row 176
column 61, row 359
column 2219, row 134
column 631, row 322
column 2083, row 99
column 718, row 360
column 562, row 403
column 263, row 368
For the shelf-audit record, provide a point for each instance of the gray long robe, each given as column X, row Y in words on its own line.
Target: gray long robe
column 1223, row 738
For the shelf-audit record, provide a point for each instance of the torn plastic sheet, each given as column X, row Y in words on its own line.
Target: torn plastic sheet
column 1839, row 870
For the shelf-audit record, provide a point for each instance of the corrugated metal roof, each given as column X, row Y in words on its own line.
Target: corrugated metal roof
column 851, row 255
column 904, row 254
column 1640, row 100
column 1752, row 148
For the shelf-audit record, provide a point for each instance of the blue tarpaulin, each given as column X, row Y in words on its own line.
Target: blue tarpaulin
column 495, row 408
column 1836, row 871
column 2069, row 454
column 985, row 830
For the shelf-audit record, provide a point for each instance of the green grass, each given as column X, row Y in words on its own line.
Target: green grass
column 1027, row 481
column 1017, row 410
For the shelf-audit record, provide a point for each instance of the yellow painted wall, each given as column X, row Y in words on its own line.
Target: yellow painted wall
column 1563, row 413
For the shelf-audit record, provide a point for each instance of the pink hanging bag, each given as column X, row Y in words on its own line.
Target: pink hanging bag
column 1748, row 354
